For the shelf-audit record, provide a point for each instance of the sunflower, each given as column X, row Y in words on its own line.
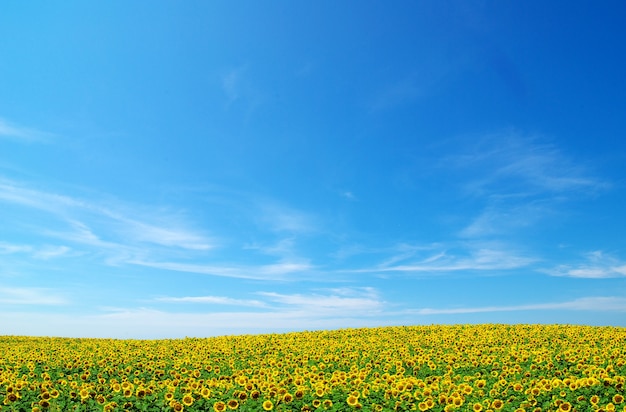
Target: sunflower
column 594, row 399
column 178, row 407
column 44, row 403
column 233, row 404
column 565, row 407
column 477, row 407
column 219, row 406
column 327, row 404
column 497, row 404
column 287, row 397
column 618, row 398
column 187, row 400
column 268, row 405
column 352, row 401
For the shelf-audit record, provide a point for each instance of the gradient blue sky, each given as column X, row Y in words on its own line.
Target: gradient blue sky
column 202, row 168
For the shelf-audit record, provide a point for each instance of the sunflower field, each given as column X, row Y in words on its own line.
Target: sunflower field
column 413, row 368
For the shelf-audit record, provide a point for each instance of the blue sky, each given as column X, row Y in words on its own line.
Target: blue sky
column 206, row 168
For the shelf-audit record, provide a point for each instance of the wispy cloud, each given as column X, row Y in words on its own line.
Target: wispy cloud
column 484, row 257
column 231, row 84
column 30, row 296
column 272, row 312
column 596, row 265
column 51, row 252
column 281, row 218
column 213, row 300
column 9, row 249
column 348, row 195
column 38, row 252
column 521, row 180
column 12, row 131
column 500, row 219
column 599, row 303
column 275, row 271
column 509, row 163
column 89, row 222
column 339, row 300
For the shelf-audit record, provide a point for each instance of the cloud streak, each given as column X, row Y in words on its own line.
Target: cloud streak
column 275, row 271
column 597, row 265
column 125, row 230
column 30, row 296
column 14, row 132
column 600, row 303
column 212, row 300
column 476, row 257
column 509, row 163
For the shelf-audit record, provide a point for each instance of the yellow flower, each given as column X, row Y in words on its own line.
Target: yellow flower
column 219, row 406
column 268, row 405
column 187, row 400
column 352, row 400
column 565, row 407
column 233, row 404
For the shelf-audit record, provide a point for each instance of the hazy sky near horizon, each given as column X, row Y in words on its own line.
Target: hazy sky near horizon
column 198, row 168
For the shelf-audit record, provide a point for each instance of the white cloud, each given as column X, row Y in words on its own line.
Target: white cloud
column 499, row 219
column 280, row 218
column 338, row 301
column 231, row 84
column 596, row 265
column 12, row 131
column 9, row 249
column 348, row 195
column 124, row 227
column 276, row 312
column 217, row 300
column 509, row 163
column 43, row 252
column 601, row 303
column 485, row 257
column 51, row 252
column 276, row 271
column 30, row 296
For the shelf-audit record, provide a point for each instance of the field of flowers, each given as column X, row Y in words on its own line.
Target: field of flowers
column 423, row 368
